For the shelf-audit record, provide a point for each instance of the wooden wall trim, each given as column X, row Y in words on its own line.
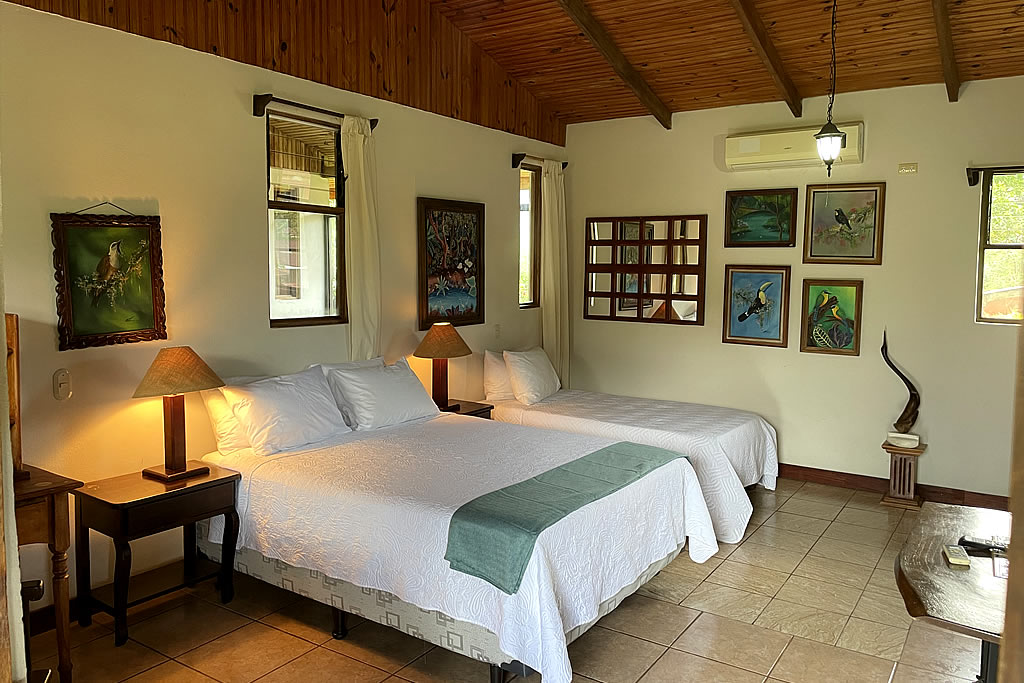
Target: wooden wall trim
column 402, row 51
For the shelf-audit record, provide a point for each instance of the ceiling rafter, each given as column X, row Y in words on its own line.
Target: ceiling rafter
column 606, row 45
column 765, row 49
column 950, row 70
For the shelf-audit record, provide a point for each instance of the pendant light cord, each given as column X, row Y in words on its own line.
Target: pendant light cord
column 832, row 72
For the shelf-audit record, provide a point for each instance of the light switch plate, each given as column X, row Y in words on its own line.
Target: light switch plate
column 907, row 169
column 62, row 384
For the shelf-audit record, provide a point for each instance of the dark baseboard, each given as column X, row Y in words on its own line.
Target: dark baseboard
column 938, row 494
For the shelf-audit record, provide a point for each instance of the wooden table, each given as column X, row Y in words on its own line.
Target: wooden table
column 41, row 512
column 971, row 600
column 472, row 408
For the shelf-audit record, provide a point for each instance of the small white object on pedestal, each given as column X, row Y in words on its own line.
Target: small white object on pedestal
column 903, row 440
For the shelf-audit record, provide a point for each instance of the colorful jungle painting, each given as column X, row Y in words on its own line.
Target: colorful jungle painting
column 630, row 255
column 109, row 279
column 756, row 305
column 832, row 316
column 843, row 223
column 760, row 218
column 451, row 262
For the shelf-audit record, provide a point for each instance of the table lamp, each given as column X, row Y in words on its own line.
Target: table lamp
column 175, row 371
column 441, row 343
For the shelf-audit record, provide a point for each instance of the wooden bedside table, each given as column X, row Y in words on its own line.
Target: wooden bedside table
column 129, row 507
column 469, row 408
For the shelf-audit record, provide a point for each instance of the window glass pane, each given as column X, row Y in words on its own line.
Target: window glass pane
column 303, row 265
column 303, row 159
column 1006, row 209
column 526, row 181
column 1001, row 285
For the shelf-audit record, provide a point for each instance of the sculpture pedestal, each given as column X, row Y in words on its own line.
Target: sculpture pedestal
column 903, row 476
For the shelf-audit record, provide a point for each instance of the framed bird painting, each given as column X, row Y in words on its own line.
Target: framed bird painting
column 109, row 273
column 843, row 223
column 756, row 306
column 831, row 317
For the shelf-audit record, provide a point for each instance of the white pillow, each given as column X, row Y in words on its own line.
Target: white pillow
column 229, row 432
column 533, row 378
column 497, row 384
column 381, row 396
column 286, row 412
column 346, row 409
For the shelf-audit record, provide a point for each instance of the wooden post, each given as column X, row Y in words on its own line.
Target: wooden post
column 903, row 476
column 439, row 383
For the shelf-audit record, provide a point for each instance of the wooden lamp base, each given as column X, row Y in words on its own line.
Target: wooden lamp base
column 175, row 468
column 439, row 385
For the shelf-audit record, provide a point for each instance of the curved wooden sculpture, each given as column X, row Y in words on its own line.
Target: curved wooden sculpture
column 905, row 422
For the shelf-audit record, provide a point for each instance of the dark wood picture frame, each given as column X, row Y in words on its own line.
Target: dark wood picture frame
column 61, row 223
column 731, row 195
column 424, row 316
column 728, row 311
column 875, row 259
column 858, row 286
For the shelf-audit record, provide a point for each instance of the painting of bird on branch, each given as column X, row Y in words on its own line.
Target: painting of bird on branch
column 756, row 305
column 844, row 223
column 832, row 313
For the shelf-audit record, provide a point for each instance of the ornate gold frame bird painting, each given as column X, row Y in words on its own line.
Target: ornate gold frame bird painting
column 109, row 273
column 756, row 305
column 843, row 223
column 831, row 316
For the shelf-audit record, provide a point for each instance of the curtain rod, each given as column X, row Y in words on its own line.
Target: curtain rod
column 517, row 159
column 974, row 174
column 260, row 102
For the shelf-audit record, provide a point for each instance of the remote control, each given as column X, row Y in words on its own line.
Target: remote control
column 956, row 555
column 982, row 545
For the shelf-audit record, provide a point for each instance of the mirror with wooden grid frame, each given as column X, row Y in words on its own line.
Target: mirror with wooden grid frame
column 647, row 269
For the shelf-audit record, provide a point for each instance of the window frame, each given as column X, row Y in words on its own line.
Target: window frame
column 984, row 244
column 536, row 206
column 338, row 212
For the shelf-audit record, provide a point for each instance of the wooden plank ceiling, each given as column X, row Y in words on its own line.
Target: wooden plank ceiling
column 524, row 66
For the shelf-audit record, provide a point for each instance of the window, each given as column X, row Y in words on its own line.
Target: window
column 646, row 269
column 305, row 202
column 529, row 236
column 1001, row 258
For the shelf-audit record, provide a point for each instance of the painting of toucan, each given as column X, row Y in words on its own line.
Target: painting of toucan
column 757, row 305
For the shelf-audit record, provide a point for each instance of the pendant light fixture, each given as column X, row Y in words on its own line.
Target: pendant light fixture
column 831, row 140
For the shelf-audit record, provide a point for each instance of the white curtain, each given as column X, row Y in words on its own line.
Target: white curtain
column 554, row 269
column 362, row 245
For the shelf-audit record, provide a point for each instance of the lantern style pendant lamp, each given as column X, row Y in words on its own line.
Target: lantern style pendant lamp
column 831, row 140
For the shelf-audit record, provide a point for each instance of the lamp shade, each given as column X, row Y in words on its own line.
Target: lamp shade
column 442, row 341
column 177, row 370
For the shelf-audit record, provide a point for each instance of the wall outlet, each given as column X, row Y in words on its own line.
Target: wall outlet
column 497, row 330
column 907, row 169
column 62, row 384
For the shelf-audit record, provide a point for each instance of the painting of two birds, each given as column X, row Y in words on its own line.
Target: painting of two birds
column 756, row 305
column 832, row 316
column 843, row 223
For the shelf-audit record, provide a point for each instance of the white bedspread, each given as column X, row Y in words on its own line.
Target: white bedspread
column 374, row 507
column 729, row 449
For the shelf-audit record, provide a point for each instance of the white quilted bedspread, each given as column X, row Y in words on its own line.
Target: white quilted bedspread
column 728, row 448
column 373, row 509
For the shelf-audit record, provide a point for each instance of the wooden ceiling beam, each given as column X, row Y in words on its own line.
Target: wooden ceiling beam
column 950, row 70
column 605, row 44
column 765, row 49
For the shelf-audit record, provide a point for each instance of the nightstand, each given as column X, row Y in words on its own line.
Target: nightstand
column 129, row 507
column 461, row 407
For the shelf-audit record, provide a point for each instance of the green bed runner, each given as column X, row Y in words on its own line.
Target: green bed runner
column 492, row 537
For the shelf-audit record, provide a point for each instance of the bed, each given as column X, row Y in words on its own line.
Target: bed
column 361, row 523
column 729, row 449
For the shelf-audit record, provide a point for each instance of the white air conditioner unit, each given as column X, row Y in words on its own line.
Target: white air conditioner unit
column 796, row 147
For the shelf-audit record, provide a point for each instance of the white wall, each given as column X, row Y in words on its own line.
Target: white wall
column 91, row 114
column 830, row 412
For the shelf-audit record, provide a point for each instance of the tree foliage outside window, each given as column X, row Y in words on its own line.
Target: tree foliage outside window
column 1001, row 261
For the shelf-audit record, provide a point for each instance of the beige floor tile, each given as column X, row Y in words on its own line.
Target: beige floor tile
column 45, row 644
column 649, row 619
column 802, row 621
column 882, row 518
column 908, row 674
column 380, row 646
column 169, row 672
column 877, row 538
column 844, row 551
column 330, row 667
column 669, row 586
column 726, row 602
column 908, row 522
column 766, row 556
column 810, row 507
column 822, row 594
column 767, row 500
column 801, row 523
column 788, row 486
column 535, row 678
column 100, row 661
column 307, row 619
column 732, row 642
column 833, row 571
column 873, row 638
column 183, row 628
column 942, row 651
column 780, row 538
column 748, row 577
column 245, row 654
column 805, row 661
column 883, row 580
column 444, row 666
column 253, row 598
column 684, row 566
column 726, row 549
column 865, row 500
column 823, row 493
column 677, row 666
column 612, row 657
column 758, row 517
column 883, row 608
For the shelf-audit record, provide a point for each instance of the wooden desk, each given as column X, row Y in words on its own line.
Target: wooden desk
column 966, row 600
column 41, row 511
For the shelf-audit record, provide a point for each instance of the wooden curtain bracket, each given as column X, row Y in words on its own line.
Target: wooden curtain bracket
column 517, row 160
column 262, row 100
column 974, row 174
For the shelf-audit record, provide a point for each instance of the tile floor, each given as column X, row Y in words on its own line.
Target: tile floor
column 807, row 597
